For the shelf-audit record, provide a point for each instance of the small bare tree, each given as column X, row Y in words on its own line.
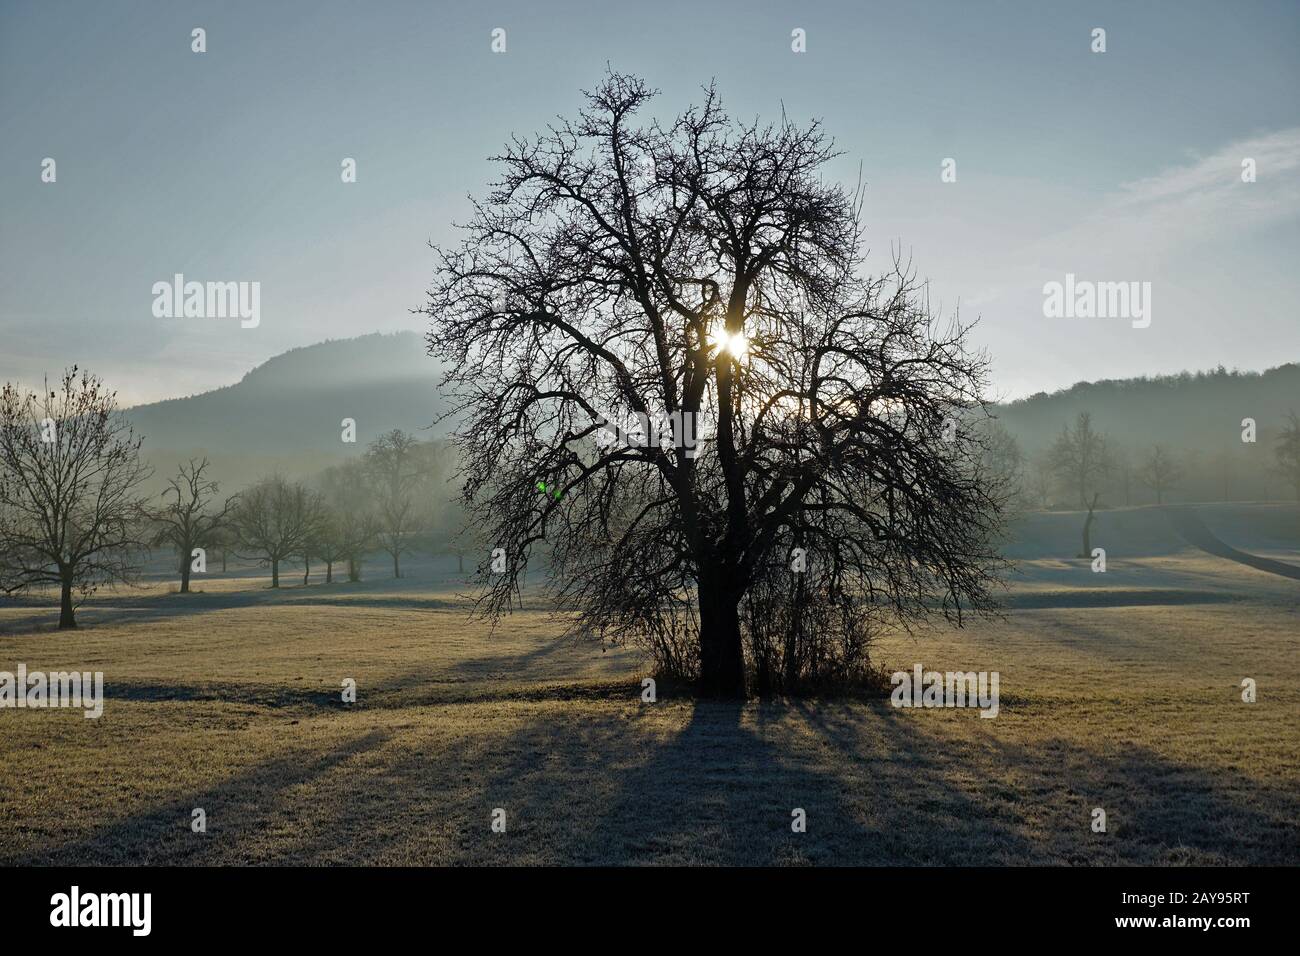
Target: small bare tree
column 273, row 520
column 1160, row 471
column 397, row 465
column 187, row 519
column 1081, row 458
column 69, row 473
column 350, row 527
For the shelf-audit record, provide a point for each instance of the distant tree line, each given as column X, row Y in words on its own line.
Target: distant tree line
column 74, row 516
column 383, row 501
column 1084, row 466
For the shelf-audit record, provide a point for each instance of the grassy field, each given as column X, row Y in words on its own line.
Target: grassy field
column 1119, row 691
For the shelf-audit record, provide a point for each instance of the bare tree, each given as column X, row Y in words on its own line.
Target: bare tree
column 69, row 473
column 223, row 540
column 1287, row 452
column 351, row 526
column 397, row 465
column 1160, row 471
column 273, row 520
column 708, row 272
column 1003, row 462
column 1041, row 479
column 187, row 519
column 1081, row 458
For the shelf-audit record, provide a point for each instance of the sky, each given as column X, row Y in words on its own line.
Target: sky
column 1115, row 166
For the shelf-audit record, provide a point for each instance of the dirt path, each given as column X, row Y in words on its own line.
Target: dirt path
column 1189, row 525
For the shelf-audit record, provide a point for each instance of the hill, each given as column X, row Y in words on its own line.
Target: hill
column 1192, row 409
column 1197, row 416
column 286, row 414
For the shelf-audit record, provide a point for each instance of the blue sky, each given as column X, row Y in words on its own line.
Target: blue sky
column 1117, row 166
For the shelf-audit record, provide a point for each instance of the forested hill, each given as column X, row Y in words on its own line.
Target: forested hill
column 1201, row 410
column 285, row 414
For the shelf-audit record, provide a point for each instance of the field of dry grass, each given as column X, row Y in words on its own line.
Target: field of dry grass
column 1118, row 691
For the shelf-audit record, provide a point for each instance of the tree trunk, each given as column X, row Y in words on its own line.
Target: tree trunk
column 306, row 574
column 397, row 567
column 354, row 570
column 722, row 657
column 66, row 619
column 1087, row 528
column 223, row 560
column 460, row 562
column 185, row 576
column 275, row 573
column 329, row 572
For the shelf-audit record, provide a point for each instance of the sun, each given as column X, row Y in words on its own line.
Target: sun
column 737, row 345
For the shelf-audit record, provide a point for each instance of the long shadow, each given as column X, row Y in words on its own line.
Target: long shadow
column 510, row 666
column 420, row 690
column 1116, row 597
column 1159, row 811
column 721, row 791
column 630, row 785
column 264, row 695
column 724, row 791
column 126, row 607
column 237, row 809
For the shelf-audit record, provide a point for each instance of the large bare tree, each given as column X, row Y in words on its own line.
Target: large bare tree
column 711, row 270
column 189, row 518
column 70, row 473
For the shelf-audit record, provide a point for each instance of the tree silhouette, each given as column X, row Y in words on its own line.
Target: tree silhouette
column 274, row 520
column 70, row 472
column 709, row 272
column 187, row 520
column 351, row 525
column 1081, row 458
column 397, row 464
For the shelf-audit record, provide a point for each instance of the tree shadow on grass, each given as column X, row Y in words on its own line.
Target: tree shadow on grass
column 1032, row 804
column 125, row 606
column 1159, row 811
column 237, row 810
column 710, row 783
column 628, row 788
